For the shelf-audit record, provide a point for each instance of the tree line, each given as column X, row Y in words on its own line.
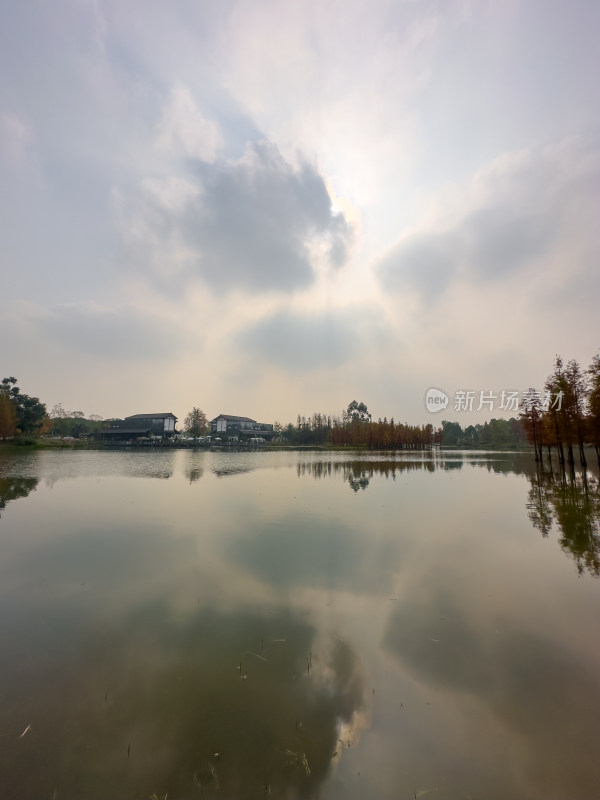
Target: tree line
column 495, row 433
column 566, row 414
column 355, row 427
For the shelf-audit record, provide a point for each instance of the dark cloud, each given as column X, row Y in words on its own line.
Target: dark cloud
column 424, row 262
column 255, row 219
column 497, row 239
column 529, row 209
column 252, row 224
column 306, row 341
column 120, row 333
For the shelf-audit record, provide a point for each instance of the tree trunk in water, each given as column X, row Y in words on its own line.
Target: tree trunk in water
column 582, row 455
column 559, row 447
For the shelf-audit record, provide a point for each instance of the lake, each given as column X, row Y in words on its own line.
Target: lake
column 188, row 624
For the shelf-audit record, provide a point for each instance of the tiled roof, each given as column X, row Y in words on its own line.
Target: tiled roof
column 231, row 418
column 151, row 416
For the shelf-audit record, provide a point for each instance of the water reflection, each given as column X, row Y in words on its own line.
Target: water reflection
column 573, row 503
column 519, row 675
column 295, row 550
column 224, row 472
column 357, row 480
column 359, row 472
column 14, row 488
column 237, row 705
column 194, row 474
column 353, row 470
column 202, row 637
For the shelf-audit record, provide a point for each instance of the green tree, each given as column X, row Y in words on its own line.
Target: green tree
column 195, row 423
column 31, row 413
column 452, row 433
column 358, row 412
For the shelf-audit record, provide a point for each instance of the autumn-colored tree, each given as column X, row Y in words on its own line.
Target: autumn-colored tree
column 575, row 403
column 556, row 387
column 195, row 423
column 531, row 416
column 8, row 416
column 593, row 426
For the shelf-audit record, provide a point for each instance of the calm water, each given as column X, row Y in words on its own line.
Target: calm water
column 297, row 625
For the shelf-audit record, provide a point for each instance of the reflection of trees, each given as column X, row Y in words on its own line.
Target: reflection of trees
column 355, row 470
column 223, row 705
column 225, row 472
column 162, row 474
column 573, row 503
column 194, row 474
column 357, row 479
column 14, row 488
column 358, row 473
column 539, row 508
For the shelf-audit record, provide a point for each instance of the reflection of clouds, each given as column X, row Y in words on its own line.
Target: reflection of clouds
column 314, row 551
column 534, row 685
column 130, row 605
column 216, row 700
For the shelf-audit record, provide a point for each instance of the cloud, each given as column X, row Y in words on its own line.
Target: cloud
column 521, row 210
column 254, row 224
column 16, row 138
column 305, row 341
column 121, row 333
column 184, row 129
column 423, row 262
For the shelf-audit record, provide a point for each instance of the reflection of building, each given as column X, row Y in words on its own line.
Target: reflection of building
column 240, row 427
column 140, row 425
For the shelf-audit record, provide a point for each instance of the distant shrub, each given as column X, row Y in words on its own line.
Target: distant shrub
column 26, row 441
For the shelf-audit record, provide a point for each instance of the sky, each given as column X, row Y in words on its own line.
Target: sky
column 273, row 208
